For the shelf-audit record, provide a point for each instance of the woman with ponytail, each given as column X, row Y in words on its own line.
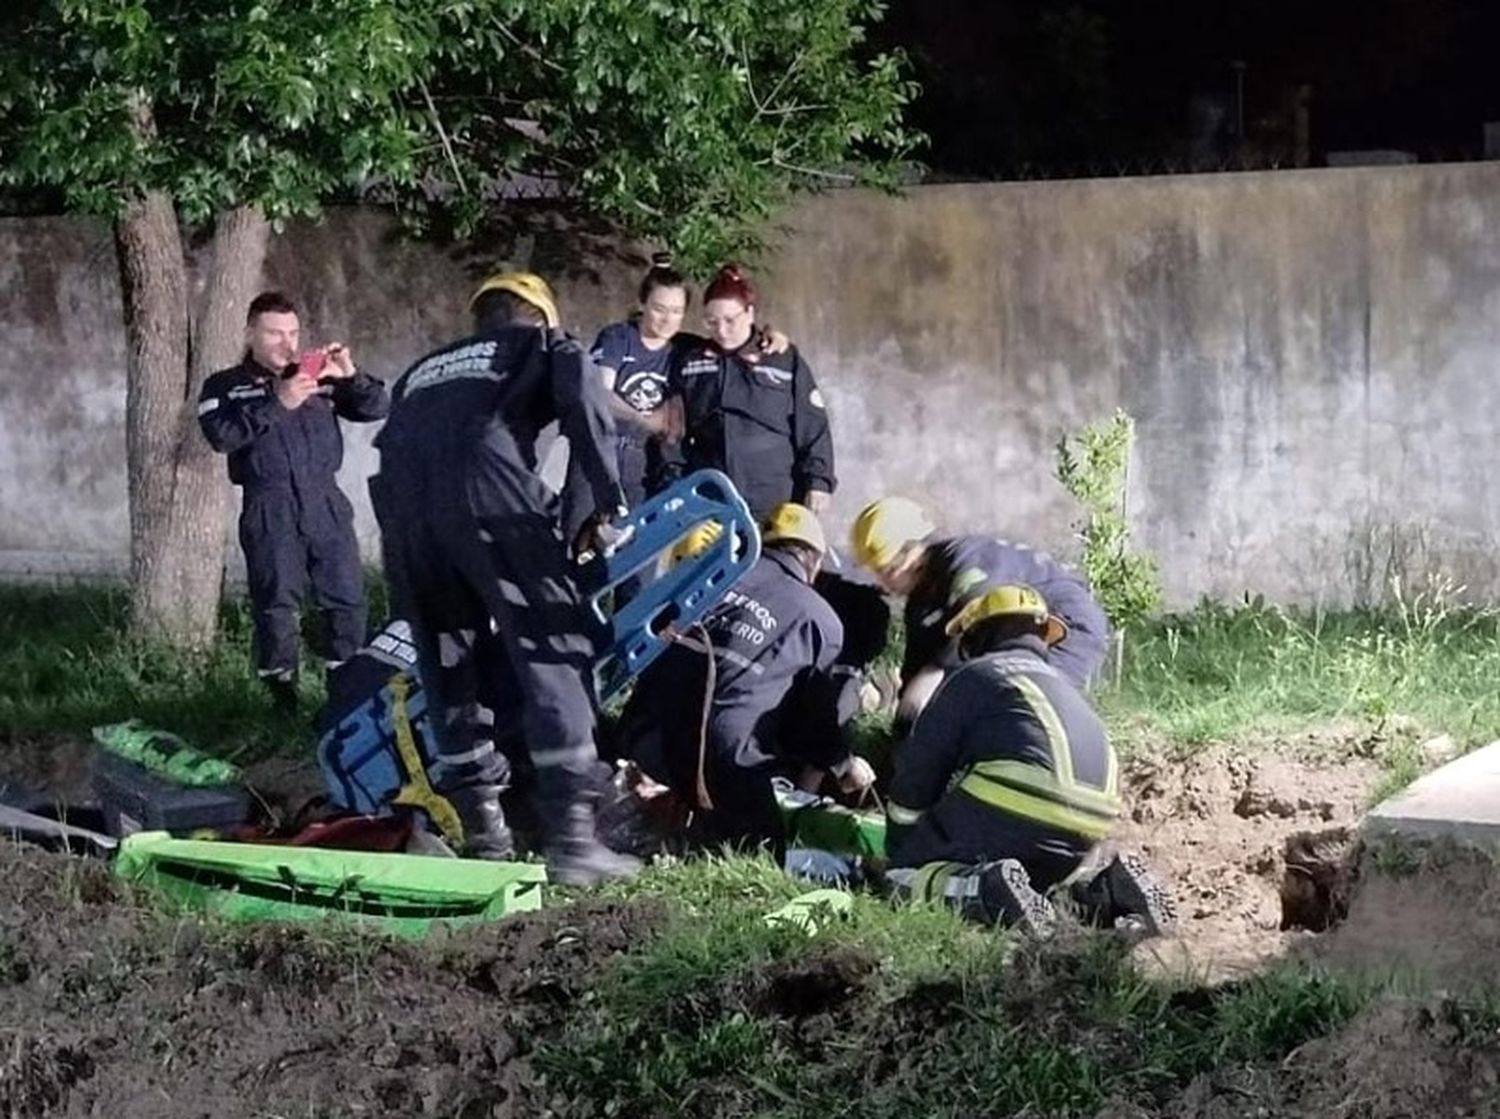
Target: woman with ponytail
column 749, row 407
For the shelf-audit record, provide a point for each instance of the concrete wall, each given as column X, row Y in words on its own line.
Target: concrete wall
column 1308, row 356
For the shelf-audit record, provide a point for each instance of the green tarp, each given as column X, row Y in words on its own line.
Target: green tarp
column 406, row 894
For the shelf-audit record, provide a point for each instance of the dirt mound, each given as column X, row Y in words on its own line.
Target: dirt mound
column 1398, row 1060
column 1223, row 826
column 108, row 1007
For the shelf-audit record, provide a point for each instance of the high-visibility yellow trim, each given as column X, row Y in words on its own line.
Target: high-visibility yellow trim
column 1030, row 792
column 1037, row 810
column 417, row 791
column 1034, row 779
column 900, row 814
column 930, row 883
column 1057, row 734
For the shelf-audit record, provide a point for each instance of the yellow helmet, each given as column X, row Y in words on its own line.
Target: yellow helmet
column 790, row 521
column 695, row 543
column 525, row 285
column 884, row 528
column 1010, row 601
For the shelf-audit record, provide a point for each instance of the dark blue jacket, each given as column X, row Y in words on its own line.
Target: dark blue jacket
column 1005, row 739
column 964, row 567
column 773, row 633
column 465, row 420
column 274, row 447
column 758, row 417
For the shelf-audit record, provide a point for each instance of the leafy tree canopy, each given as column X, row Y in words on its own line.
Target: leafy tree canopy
column 684, row 120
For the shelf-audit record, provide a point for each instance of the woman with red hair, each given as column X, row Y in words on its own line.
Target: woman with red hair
column 755, row 414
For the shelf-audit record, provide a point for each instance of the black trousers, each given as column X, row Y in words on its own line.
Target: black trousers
column 296, row 540
column 661, row 731
column 506, row 646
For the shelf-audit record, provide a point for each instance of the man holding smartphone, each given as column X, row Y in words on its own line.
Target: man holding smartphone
column 276, row 415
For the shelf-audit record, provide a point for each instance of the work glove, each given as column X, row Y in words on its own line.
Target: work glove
column 854, row 774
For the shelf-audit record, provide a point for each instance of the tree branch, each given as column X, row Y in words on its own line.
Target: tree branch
column 458, row 175
column 526, row 48
column 790, row 109
column 812, row 172
column 764, row 108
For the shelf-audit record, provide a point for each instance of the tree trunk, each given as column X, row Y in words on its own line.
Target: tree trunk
column 179, row 496
column 153, row 282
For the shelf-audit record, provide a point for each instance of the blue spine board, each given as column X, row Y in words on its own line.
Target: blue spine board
column 683, row 595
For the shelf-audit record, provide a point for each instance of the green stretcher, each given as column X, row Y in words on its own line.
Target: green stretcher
column 821, row 823
column 404, row 894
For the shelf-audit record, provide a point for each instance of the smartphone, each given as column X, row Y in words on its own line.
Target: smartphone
column 310, row 363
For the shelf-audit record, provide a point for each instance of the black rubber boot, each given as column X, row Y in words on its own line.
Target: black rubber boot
column 283, row 695
column 574, row 855
column 1006, row 897
column 485, row 833
column 1127, row 896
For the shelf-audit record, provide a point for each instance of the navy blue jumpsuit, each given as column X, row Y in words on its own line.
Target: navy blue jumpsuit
column 862, row 611
column 759, row 417
column 774, row 643
column 470, row 536
column 964, row 567
column 296, row 525
column 1007, row 761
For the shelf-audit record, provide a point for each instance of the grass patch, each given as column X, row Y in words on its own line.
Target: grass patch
column 885, row 1012
column 1420, row 666
column 1220, row 672
column 67, row 664
column 895, row 1012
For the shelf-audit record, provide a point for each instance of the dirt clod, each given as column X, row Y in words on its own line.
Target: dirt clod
column 815, row 984
column 1321, row 869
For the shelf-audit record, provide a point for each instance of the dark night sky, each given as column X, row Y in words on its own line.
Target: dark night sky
column 1058, row 83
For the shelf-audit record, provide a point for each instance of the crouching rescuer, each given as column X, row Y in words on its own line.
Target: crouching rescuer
column 477, row 565
column 1008, row 782
column 710, row 719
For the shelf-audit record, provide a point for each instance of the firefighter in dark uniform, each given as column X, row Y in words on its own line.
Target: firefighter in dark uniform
column 860, row 603
column 895, row 539
column 771, row 641
column 477, row 565
column 756, row 415
column 860, row 606
column 276, row 415
column 1008, row 780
